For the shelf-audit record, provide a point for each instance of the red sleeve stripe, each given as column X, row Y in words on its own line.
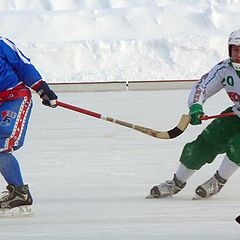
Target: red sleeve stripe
column 36, row 85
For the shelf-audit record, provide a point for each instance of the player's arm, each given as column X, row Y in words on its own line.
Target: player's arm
column 207, row 86
column 21, row 64
column 27, row 72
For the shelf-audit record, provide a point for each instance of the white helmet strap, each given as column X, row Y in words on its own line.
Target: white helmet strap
column 236, row 66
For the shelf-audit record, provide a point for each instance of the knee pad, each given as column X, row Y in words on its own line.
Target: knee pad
column 197, row 153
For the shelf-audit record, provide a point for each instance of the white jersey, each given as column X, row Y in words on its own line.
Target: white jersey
column 222, row 75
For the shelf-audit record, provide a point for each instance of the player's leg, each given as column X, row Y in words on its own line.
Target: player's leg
column 229, row 166
column 14, row 121
column 212, row 141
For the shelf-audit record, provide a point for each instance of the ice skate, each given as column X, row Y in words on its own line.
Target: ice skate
column 17, row 201
column 210, row 187
column 168, row 188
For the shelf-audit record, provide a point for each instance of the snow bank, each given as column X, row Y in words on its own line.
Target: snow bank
column 107, row 40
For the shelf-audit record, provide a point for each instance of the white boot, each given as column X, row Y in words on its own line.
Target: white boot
column 210, row 187
column 168, row 188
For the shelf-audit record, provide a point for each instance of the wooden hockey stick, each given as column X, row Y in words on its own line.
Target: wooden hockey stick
column 173, row 133
column 176, row 131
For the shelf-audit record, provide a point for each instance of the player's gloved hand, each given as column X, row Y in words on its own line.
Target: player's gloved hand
column 196, row 112
column 49, row 98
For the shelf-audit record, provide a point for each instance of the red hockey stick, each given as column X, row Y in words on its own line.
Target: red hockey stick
column 219, row 116
column 176, row 131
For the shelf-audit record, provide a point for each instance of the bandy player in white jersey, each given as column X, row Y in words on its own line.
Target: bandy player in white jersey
column 221, row 136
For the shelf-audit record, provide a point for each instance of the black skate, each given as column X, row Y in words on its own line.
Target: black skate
column 16, row 201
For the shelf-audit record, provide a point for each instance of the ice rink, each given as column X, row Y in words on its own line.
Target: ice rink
column 89, row 178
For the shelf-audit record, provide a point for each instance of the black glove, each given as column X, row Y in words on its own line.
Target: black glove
column 49, row 98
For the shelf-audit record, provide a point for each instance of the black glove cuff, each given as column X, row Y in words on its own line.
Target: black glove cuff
column 43, row 89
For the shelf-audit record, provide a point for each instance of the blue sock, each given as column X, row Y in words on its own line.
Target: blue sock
column 10, row 169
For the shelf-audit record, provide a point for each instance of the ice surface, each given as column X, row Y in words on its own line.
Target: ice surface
column 89, row 178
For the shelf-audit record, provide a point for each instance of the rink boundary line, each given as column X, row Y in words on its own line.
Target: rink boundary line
column 137, row 85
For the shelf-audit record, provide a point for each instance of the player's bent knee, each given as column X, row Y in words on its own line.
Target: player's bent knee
column 233, row 151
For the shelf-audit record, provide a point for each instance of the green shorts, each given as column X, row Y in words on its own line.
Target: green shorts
column 222, row 135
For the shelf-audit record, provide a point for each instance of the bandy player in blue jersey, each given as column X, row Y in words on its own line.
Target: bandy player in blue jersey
column 17, row 76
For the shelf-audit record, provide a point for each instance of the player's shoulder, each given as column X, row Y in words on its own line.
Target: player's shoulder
column 3, row 41
column 221, row 67
column 6, row 42
column 223, row 64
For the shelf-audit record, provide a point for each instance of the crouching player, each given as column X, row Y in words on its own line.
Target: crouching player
column 221, row 136
column 17, row 76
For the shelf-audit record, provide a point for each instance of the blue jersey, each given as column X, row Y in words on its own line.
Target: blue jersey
column 15, row 68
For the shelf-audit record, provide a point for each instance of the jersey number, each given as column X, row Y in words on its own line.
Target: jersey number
column 228, row 81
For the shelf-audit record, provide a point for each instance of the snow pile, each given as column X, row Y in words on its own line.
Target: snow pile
column 108, row 40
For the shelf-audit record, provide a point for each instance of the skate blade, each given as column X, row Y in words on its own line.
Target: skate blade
column 20, row 211
column 149, row 196
column 197, row 197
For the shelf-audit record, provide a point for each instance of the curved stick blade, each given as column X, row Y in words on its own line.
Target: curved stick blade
column 180, row 128
column 175, row 132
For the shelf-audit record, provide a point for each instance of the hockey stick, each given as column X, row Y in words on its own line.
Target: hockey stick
column 176, row 131
column 218, row 116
